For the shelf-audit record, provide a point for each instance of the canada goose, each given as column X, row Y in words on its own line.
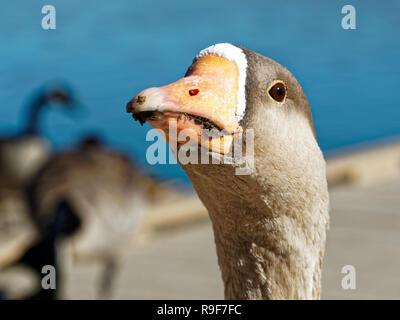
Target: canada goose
column 269, row 225
column 21, row 155
column 107, row 194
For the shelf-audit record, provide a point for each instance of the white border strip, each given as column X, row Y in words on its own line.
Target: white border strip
column 235, row 54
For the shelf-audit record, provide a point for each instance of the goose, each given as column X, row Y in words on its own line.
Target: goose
column 23, row 154
column 270, row 222
column 104, row 191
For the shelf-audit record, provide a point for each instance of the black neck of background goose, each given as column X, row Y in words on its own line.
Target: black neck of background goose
column 44, row 252
column 35, row 109
column 60, row 95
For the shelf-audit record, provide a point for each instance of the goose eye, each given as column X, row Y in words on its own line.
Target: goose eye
column 278, row 91
column 193, row 92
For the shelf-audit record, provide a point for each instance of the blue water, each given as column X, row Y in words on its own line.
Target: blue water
column 111, row 50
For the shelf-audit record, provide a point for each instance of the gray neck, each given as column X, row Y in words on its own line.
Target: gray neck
column 269, row 234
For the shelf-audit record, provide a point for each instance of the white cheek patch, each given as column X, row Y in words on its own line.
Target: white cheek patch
column 235, row 54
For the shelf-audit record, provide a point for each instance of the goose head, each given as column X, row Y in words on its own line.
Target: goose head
column 57, row 95
column 227, row 89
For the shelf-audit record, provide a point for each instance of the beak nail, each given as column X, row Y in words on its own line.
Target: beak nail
column 129, row 107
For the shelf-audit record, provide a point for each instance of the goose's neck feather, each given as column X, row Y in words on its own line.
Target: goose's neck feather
column 269, row 227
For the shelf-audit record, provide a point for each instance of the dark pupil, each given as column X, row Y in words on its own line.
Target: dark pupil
column 277, row 92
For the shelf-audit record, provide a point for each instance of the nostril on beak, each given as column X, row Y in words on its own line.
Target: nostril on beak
column 140, row 99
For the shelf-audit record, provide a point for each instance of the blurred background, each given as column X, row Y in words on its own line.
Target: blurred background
column 107, row 52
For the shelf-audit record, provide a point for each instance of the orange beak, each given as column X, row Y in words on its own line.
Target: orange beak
column 202, row 103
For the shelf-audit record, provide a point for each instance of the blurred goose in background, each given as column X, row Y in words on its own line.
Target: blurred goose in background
column 107, row 194
column 21, row 156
